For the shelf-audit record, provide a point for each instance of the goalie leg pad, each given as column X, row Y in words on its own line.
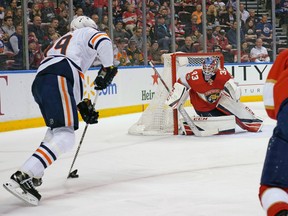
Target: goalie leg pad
column 225, row 124
column 245, row 117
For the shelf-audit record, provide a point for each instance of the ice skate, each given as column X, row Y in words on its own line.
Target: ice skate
column 21, row 186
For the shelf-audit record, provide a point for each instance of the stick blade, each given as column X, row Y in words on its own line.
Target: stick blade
column 73, row 174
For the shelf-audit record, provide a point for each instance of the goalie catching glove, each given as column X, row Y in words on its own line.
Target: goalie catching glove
column 105, row 77
column 88, row 114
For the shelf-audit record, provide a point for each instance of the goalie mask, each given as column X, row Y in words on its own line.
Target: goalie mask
column 209, row 67
column 81, row 22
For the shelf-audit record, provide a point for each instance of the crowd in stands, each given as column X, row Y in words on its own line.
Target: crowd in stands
column 48, row 21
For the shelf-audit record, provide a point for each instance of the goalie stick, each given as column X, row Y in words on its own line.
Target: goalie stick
column 197, row 131
column 74, row 174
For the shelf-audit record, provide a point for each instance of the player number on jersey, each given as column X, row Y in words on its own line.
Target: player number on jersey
column 62, row 44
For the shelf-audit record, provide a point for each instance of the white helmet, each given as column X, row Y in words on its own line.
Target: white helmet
column 81, row 22
column 209, row 67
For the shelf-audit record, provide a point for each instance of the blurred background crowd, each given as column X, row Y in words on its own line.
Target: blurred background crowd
column 48, row 20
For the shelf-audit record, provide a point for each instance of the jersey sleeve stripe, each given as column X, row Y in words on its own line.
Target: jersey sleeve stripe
column 96, row 38
column 99, row 41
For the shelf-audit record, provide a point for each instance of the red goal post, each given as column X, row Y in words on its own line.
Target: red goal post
column 158, row 118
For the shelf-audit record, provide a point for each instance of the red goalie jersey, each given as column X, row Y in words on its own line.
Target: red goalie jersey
column 204, row 95
column 275, row 88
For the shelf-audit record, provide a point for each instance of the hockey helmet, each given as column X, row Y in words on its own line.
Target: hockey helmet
column 209, row 66
column 81, row 22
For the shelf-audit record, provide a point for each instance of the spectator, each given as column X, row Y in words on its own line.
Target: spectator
column 78, row 12
column 63, row 26
column 16, row 46
column 13, row 7
column 138, row 38
column 198, row 13
column 99, row 6
column 52, row 34
column 35, row 54
column 263, row 28
column 192, row 26
column 230, row 17
column 211, row 39
column 120, row 54
column 250, row 31
column 259, row 53
column 232, row 35
column 55, row 24
column 188, row 46
column 155, row 53
column 179, row 31
column 36, row 11
column 116, row 10
column 219, row 4
column 252, row 16
column 119, row 32
column 222, row 15
column 244, row 54
column 39, row 32
column 62, row 6
column 223, row 41
column 164, row 13
column 104, row 24
column 134, row 54
column 95, row 18
column 232, row 3
column 47, row 12
column 153, row 7
column 244, row 13
column 163, row 34
column 211, row 15
column 18, row 19
column 8, row 26
column 129, row 17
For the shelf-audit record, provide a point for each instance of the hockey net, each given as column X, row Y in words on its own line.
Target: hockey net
column 158, row 118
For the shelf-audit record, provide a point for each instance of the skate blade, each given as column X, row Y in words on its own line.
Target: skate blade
column 14, row 188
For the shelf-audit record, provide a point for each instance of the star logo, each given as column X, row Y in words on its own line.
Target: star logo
column 155, row 78
column 89, row 91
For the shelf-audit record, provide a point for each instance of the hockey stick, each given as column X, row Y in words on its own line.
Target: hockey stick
column 74, row 173
column 184, row 114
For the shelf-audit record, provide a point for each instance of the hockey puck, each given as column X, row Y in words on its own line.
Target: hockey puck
column 73, row 174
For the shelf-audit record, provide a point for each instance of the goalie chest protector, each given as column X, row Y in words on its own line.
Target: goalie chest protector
column 205, row 95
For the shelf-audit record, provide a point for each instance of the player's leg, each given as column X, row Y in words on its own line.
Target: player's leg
column 54, row 94
column 274, row 180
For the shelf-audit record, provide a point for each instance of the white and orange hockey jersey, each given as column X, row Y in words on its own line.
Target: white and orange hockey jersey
column 80, row 48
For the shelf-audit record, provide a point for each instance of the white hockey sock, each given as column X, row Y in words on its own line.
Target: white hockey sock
column 62, row 140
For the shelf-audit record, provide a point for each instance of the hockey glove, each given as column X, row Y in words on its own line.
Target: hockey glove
column 105, row 77
column 88, row 114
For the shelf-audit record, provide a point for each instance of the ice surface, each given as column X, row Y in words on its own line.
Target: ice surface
column 125, row 175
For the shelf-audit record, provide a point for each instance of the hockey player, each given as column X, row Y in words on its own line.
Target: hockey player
column 273, row 191
column 58, row 90
column 213, row 92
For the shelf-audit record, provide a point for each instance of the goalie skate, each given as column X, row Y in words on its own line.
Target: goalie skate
column 21, row 186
